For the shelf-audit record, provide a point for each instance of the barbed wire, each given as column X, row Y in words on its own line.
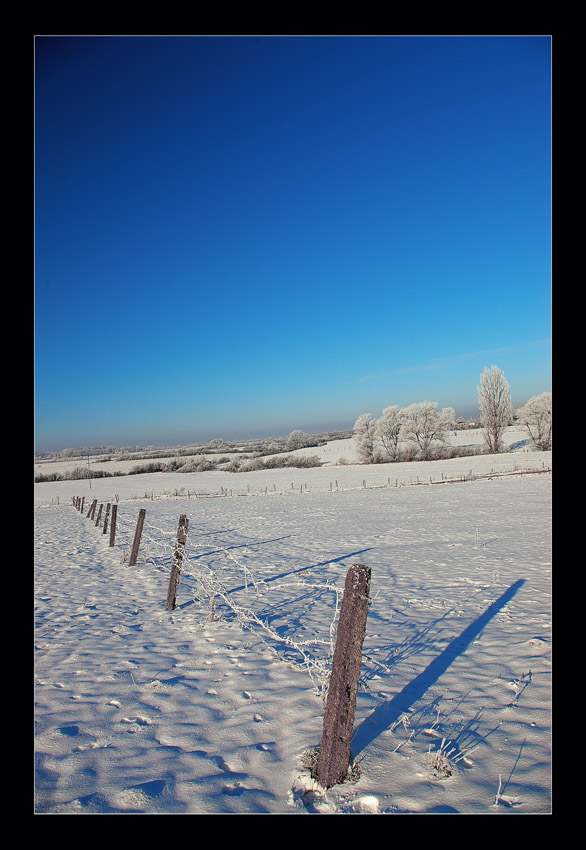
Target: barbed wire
column 210, row 590
column 215, row 592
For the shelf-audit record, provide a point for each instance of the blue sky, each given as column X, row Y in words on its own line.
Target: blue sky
column 243, row 236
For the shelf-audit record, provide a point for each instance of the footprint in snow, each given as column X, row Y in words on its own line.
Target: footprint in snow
column 133, row 722
column 234, row 790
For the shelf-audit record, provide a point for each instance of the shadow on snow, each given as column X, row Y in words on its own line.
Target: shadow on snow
column 389, row 712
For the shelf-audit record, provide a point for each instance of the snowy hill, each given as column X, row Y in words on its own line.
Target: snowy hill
column 211, row 707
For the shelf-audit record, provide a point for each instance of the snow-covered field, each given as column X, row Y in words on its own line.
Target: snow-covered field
column 211, row 707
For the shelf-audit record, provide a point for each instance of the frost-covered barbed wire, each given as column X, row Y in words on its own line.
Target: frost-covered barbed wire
column 210, row 591
column 156, row 543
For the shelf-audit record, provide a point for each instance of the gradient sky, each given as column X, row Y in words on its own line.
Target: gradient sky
column 241, row 236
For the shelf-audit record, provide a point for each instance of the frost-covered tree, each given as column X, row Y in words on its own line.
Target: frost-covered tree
column 536, row 417
column 388, row 429
column 496, row 408
column 364, row 433
column 424, row 424
column 296, row 440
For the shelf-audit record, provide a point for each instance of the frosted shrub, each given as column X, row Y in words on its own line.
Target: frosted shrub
column 275, row 462
column 78, row 474
column 303, row 462
column 296, row 440
column 199, row 464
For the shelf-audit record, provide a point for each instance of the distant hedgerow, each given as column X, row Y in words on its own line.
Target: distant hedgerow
column 80, row 473
column 275, row 462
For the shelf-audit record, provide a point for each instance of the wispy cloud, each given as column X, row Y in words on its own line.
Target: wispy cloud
column 440, row 363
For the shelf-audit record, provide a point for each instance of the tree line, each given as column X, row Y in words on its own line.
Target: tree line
column 420, row 430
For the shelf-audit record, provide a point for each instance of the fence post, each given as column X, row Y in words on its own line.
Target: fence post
column 99, row 514
column 137, row 536
column 333, row 760
column 92, row 509
column 177, row 559
column 113, row 524
column 106, row 518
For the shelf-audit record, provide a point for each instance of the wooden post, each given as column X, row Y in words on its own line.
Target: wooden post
column 333, row 760
column 177, row 559
column 113, row 524
column 92, row 509
column 99, row 514
column 137, row 536
column 82, row 503
column 106, row 518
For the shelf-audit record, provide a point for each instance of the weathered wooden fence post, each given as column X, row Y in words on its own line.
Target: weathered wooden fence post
column 106, row 518
column 99, row 514
column 92, row 509
column 177, row 559
column 333, row 760
column 113, row 524
column 137, row 536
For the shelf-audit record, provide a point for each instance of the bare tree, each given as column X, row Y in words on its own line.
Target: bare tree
column 364, row 433
column 536, row 417
column 423, row 424
column 388, row 429
column 496, row 409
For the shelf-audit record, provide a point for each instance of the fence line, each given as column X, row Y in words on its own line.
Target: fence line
column 334, row 485
column 211, row 590
column 186, row 558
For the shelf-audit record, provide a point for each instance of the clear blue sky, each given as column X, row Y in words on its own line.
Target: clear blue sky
column 243, row 236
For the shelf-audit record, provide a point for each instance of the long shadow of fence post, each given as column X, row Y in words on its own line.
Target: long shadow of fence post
column 389, row 712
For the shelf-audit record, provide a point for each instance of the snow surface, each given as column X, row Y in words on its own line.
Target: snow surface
column 213, row 709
